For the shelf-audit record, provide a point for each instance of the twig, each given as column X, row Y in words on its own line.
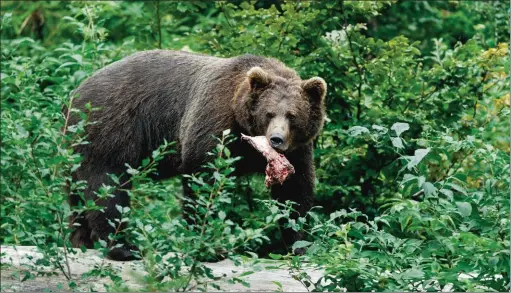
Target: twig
column 357, row 66
column 64, row 130
column 65, row 247
column 192, row 272
column 25, row 22
column 225, row 15
column 298, row 278
column 360, row 75
column 159, row 23
column 417, row 194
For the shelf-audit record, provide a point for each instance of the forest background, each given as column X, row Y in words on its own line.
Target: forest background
column 412, row 188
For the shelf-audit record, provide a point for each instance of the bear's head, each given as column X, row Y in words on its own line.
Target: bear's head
column 287, row 110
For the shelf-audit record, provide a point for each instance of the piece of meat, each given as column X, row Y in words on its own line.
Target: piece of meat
column 278, row 167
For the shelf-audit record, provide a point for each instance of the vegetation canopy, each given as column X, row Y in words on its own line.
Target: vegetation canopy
column 412, row 166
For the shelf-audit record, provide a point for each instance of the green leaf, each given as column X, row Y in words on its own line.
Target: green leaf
column 78, row 58
column 415, row 51
column 102, row 243
column 155, row 153
column 145, row 162
column 221, row 215
column 115, row 179
column 404, row 221
column 246, row 273
column 457, row 187
column 464, row 208
column 217, row 176
column 447, row 192
column 275, row 256
column 380, row 129
column 417, row 158
column 301, row 244
column 357, row 130
column 131, row 171
column 414, row 273
column 397, row 142
column 279, row 284
column 429, row 189
column 408, row 177
column 400, row 128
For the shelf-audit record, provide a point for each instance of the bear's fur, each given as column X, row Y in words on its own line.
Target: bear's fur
column 160, row 95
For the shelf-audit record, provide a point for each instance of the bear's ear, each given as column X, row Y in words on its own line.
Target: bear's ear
column 315, row 89
column 258, row 78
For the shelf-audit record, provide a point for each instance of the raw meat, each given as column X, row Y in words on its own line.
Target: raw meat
column 278, row 167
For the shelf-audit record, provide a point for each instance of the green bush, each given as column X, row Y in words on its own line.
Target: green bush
column 412, row 188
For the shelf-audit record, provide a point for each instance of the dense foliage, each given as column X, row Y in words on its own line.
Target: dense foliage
column 412, row 188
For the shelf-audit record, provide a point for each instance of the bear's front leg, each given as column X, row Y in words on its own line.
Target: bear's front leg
column 99, row 221
column 299, row 187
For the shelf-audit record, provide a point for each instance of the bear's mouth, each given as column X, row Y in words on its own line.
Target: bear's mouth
column 280, row 151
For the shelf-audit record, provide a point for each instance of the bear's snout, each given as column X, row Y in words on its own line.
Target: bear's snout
column 278, row 133
column 276, row 140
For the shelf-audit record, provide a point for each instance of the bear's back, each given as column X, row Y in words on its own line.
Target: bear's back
column 139, row 102
column 159, row 94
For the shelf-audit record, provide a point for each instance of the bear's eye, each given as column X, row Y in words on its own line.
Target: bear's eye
column 270, row 115
column 291, row 116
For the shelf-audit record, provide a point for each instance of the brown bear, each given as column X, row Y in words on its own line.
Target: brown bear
column 187, row 98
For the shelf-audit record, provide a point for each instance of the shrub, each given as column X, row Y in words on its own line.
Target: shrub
column 412, row 188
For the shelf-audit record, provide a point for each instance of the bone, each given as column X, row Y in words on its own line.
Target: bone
column 278, row 168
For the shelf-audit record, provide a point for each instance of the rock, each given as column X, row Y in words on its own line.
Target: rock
column 24, row 268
